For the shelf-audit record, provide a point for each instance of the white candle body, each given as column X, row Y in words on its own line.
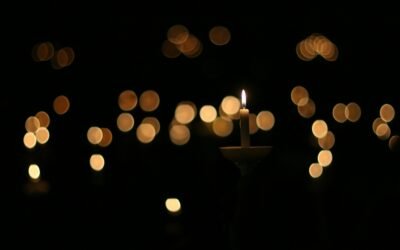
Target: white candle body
column 244, row 127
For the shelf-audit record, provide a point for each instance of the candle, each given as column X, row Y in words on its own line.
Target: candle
column 244, row 123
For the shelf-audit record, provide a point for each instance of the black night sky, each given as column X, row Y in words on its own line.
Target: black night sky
column 354, row 204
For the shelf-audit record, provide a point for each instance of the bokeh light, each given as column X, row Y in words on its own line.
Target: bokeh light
column 179, row 134
column 253, row 123
column 149, row 101
column 325, row 158
column 208, row 113
column 378, row 121
column 61, row 104
column 319, row 128
column 219, row 35
column 308, row 110
column 185, row 112
column 32, row 124
column 299, row 96
column 315, row 170
column 394, row 143
column 44, row 118
column 145, row 133
column 43, row 51
column 94, row 135
column 265, row 120
column 153, row 121
column 34, row 171
column 169, row 50
column 125, row 122
column 387, row 112
column 352, row 112
column 63, row 58
column 107, row 137
column 97, row 162
column 42, row 135
column 173, row 205
column 230, row 105
column 338, row 112
column 314, row 45
column 328, row 141
column 192, row 47
column 305, row 50
column 222, row 126
column 127, row 100
column 29, row 140
column 177, row 34
column 383, row 131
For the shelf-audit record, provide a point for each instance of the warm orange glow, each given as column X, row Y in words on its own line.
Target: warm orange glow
column 299, row 96
column 338, row 113
column 304, row 50
column 32, row 123
column 191, row 46
column 97, row 162
column 387, row 112
column 125, row 122
column 29, row 140
column 315, row 170
column 315, row 45
column 177, row 34
column 394, row 143
column 220, row 35
column 378, row 121
column 173, row 205
column 196, row 51
column 34, row 171
column 230, row 105
column 308, row 110
column 265, row 120
column 325, row 158
column 299, row 51
column 145, row 133
column 107, row 137
column 179, row 134
column 43, row 51
column 149, row 100
column 383, row 131
column 319, row 128
column 169, row 50
column 44, row 118
column 208, row 113
column 185, row 112
column 63, row 58
column 94, row 135
column 127, row 100
column 328, row 141
column 42, row 135
column 352, row 112
column 325, row 48
column 252, row 123
column 153, row 122
column 61, row 104
column 222, row 126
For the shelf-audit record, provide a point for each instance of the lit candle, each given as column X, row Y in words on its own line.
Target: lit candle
column 244, row 123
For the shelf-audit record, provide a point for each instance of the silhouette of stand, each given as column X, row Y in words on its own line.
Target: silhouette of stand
column 246, row 159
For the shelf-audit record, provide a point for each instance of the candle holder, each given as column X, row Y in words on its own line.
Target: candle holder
column 241, row 229
column 245, row 158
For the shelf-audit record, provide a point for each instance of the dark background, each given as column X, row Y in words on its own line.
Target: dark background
column 353, row 205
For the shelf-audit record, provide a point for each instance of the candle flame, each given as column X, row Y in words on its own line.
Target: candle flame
column 243, row 98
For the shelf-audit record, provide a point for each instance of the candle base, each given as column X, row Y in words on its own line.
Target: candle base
column 242, row 225
column 245, row 158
